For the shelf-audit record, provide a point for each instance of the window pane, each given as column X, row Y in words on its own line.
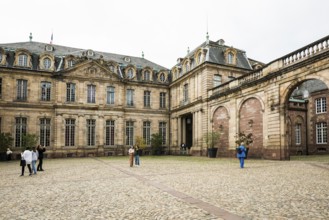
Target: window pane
column 109, row 136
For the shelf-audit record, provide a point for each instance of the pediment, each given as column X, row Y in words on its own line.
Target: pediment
column 91, row 69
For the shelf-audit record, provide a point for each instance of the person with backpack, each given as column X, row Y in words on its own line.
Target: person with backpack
column 241, row 154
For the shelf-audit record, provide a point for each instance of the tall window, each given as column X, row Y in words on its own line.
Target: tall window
column 0, row 87
column 22, row 60
column 217, row 80
column 69, row 132
column 147, row 75
column 91, row 132
column 298, row 134
column 162, row 100
column 321, row 105
column 91, row 93
column 70, row 92
column 185, row 93
column 321, row 133
column 46, row 63
column 109, row 136
column 110, row 95
column 45, row 132
column 147, row 132
column 21, row 90
column 163, row 131
column 129, row 133
column 187, row 67
column 45, row 91
column 230, row 57
column 130, row 97
column 147, row 98
column 20, row 131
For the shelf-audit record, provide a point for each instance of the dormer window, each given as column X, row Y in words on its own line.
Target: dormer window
column 127, row 59
column 46, row 63
column 49, row 48
column 187, row 67
column 22, row 60
column 147, row 75
column 130, row 73
column 70, row 63
column 111, row 67
column 162, row 77
column 199, row 58
column 90, row 53
column 230, row 57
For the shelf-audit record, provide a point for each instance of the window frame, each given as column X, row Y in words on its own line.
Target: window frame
column 298, row 134
column 21, row 90
column 147, row 99
column 45, row 91
column 45, row 131
column 129, row 133
column 321, row 133
column 91, row 132
column 91, row 94
column 130, row 97
column 147, row 132
column 162, row 99
column 69, row 135
column 110, row 95
column 109, row 132
column 321, row 105
column 70, row 92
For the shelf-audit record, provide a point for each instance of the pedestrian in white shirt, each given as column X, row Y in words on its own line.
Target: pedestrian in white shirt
column 27, row 154
column 35, row 156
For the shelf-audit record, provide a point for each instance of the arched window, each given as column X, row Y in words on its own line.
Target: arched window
column 130, row 73
column 230, row 57
column 147, row 75
column 187, row 67
column 162, row 77
column 46, row 63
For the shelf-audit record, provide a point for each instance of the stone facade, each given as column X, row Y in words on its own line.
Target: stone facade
column 89, row 103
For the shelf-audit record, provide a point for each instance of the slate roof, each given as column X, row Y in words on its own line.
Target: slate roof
column 37, row 48
column 215, row 54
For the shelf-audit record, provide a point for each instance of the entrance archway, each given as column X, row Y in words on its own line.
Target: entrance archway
column 307, row 118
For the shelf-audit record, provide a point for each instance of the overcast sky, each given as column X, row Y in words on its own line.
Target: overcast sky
column 164, row 29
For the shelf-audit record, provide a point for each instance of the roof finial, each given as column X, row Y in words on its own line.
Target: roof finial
column 143, row 54
column 31, row 37
column 188, row 50
column 207, row 37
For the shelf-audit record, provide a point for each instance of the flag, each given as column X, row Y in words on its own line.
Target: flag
column 51, row 38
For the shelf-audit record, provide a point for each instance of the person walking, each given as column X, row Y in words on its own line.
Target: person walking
column 241, row 154
column 131, row 152
column 9, row 152
column 23, row 163
column 27, row 154
column 137, row 152
column 35, row 155
column 40, row 150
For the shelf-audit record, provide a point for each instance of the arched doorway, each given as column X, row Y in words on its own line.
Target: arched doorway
column 306, row 110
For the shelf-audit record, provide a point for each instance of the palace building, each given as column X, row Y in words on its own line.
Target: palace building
column 82, row 102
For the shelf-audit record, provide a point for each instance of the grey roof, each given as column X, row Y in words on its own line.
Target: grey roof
column 38, row 48
column 216, row 51
column 311, row 86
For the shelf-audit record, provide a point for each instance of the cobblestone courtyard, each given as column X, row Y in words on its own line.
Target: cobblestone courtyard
column 166, row 187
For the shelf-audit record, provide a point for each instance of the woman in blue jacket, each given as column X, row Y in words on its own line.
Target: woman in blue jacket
column 241, row 154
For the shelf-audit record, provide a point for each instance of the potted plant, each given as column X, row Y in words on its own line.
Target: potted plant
column 6, row 141
column 247, row 139
column 140, row 142
column 212, row 138
column 156, row 144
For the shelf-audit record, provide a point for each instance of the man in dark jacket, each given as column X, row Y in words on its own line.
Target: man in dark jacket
column 40, row 150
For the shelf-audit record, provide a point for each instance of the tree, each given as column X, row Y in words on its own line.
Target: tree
column 156, row 143
column 212, row 138
column 242, row 137
column 5, row 141
column 140, row 142
column 30, row 140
